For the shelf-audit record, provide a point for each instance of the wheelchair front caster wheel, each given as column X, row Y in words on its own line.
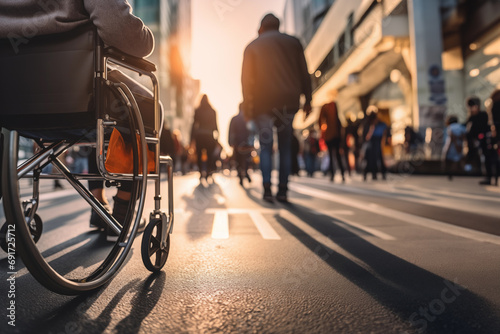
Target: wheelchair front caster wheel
column 154, row 254
column 4, row 237
column 35, row 227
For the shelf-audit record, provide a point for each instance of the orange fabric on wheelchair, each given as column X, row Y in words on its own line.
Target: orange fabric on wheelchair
column 120, row 158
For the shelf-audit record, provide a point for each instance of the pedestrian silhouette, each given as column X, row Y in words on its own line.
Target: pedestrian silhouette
column 274, row 76
column 479, row 138
column 204, row 133
column 311, row 150
column 295, row 155
column 453, row 147
column 495, row 132
column 242, row 144
column 331, row 132
column 377, row 131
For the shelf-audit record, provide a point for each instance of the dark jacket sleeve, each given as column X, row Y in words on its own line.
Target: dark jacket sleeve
column 248, row 82
column 119, row 28
column 232, row 135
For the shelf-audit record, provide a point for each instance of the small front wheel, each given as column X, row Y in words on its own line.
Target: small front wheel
column 35, row 226
column 154, row 254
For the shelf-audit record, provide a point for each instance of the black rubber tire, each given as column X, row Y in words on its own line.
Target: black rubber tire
column 28, row 251
column 150, row 247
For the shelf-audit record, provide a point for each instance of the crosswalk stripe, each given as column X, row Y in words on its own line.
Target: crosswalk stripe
column 220, row 228
column 265, row 229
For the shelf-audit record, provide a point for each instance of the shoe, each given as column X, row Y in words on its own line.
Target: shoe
column 96, row 220
column 268, row 195
column 485, row 182
column 57, row 185
column 281, row 195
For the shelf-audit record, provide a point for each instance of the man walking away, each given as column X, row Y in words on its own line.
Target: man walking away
column 274, row 76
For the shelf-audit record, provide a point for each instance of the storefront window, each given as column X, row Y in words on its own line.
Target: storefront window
column 483, row 69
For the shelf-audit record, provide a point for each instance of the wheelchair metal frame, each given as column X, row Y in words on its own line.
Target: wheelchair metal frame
column 49, row 155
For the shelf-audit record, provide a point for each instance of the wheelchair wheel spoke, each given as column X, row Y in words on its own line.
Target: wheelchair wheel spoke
column 160, row 258
column 155, row 246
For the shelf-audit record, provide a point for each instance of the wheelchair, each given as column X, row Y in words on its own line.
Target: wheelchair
column 55, row 90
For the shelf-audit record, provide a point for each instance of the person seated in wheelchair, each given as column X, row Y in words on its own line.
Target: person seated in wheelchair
column 116, row 25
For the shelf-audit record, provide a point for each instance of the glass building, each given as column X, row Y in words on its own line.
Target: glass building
column 415, row 60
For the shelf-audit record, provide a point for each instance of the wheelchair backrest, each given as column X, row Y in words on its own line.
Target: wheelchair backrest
column 48, row 81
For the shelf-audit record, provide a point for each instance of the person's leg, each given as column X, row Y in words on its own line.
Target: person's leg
column 331, row 164
column 283, row 123
column 336, row 145
column 240, row 164
column 265, row 125
column 211, row 158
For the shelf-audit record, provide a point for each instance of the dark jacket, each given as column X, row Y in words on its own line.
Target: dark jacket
column 21, row 20
column 204, row 123
column 238, row 131
column 274, row 74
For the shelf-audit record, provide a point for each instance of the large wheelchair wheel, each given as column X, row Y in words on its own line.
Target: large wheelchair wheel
column 67, row 263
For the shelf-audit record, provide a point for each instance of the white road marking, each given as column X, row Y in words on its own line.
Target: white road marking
column 221, row 222
column 336, row 212
column 405, row 217
column 265, row 229
column 220, row 228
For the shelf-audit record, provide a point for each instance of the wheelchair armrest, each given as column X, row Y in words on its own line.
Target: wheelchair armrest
column 140, row 63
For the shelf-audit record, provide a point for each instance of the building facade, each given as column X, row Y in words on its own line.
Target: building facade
column 415, row 60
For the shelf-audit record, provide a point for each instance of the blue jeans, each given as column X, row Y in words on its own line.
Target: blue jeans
column 282, row 121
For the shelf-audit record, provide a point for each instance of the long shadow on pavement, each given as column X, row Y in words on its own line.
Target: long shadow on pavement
column 424, row 300
column 72, row 317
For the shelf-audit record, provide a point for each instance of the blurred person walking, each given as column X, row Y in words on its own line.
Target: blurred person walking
column 242, row 144
column 452, row 151
column 204, row 134
column 480, row 138
column 311, row 150
column 377, row 131
column 295, row 155
column 331, row 132
column 274, row 76
column 495, row 132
